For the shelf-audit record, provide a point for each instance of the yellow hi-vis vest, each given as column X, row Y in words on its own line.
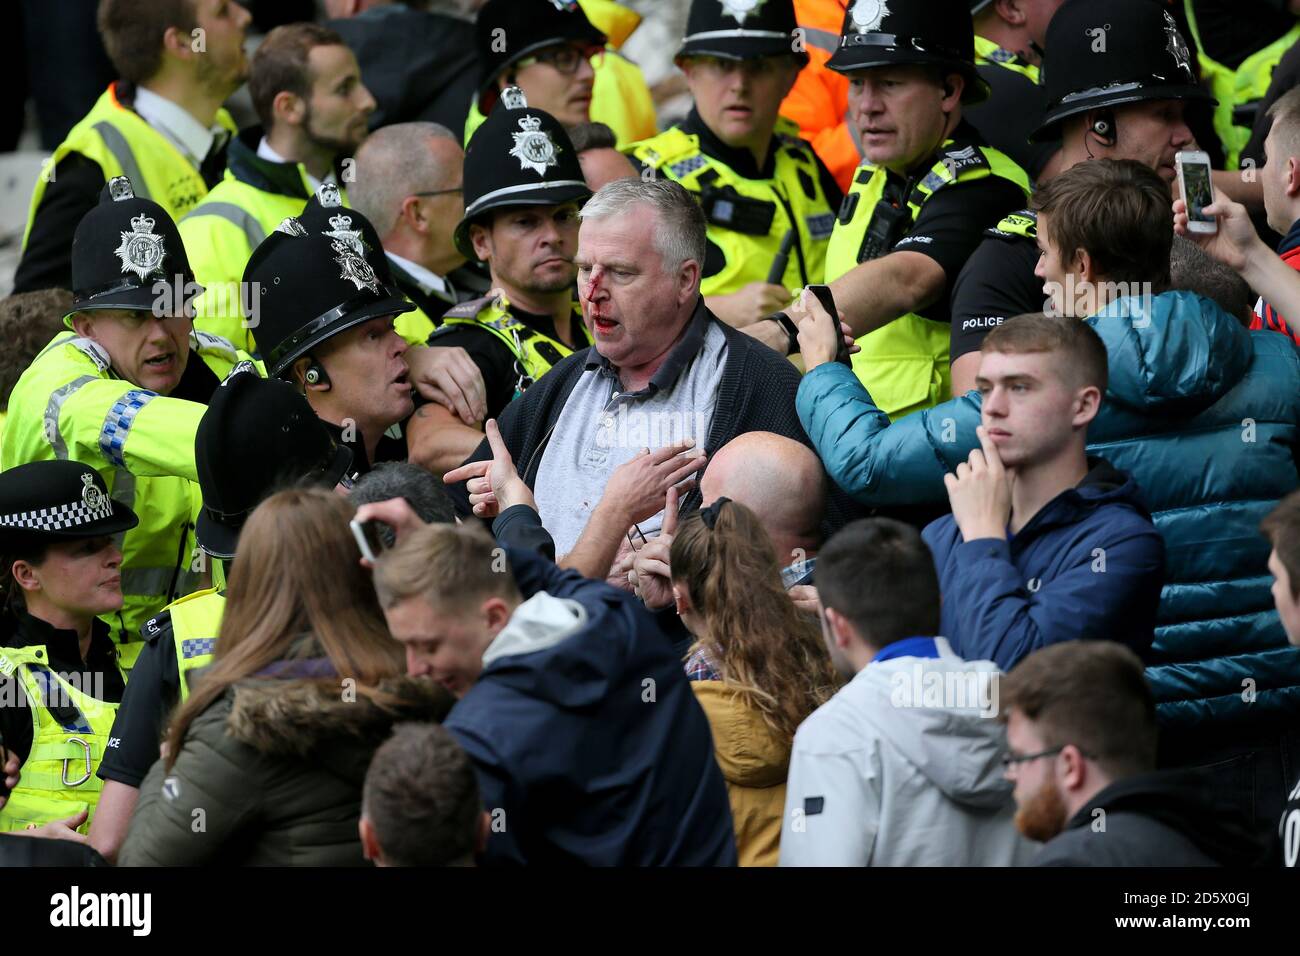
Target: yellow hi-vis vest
column 71, row 404
column 220, row 234
column 123, row 144
column 196, row 622
column 986, row 51
column 1238, row 91
column 58, row 777
column 748, row 218
column 904, row 364
column 535, row 354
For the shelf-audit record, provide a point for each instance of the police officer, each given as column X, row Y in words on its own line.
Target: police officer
column 307, row 90
column 328, row 304
column 1009, row 40
column 162, row 125
column 124, row 391
column 60, row 682
column 1126, row 104
column 766, row 195
column 257, row 436
column 523, row 188
column 927, row 189
column 554, row 53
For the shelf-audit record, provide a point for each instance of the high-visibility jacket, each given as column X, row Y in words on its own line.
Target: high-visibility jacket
column 988, row 52
column 904, row 364
column 535, row 354
column 819, row 99
column 70, row 730
column 1238, row 91
column 221, row 232
column 748, row 218
column 123, row 144
column 71, row 404
column 195, row 624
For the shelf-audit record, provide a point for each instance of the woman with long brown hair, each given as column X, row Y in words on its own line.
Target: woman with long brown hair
column 265, row 761
column 772, row 668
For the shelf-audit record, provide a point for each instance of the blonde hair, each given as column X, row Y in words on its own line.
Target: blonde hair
column 448, row 565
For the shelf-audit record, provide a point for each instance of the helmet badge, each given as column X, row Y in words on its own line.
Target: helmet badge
column 739, row 10
column 867, row 15
column 533, row 147
column 140, row 250
column 91, row 496
column 351, row 254
column 1177, row 46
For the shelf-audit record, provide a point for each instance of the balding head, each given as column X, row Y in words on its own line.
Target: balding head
column 394, row 165
column 779, row 479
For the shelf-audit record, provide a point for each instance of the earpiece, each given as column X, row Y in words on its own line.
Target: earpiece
column 316, row 375
column 1103, row 127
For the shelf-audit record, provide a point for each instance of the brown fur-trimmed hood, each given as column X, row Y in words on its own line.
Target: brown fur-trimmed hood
column 327, row 721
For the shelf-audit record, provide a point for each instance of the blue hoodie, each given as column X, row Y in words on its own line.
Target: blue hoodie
column 586, row 735
column 1205, row 415
column 1089, row 564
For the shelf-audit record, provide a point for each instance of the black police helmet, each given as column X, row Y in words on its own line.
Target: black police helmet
column 256, row 436
column 1107, row 52
column 741, row 29
column 506, row 31
column 518, row 157
column 900, row 32
column 318, row 275
column 58, row 500
column 122, row 248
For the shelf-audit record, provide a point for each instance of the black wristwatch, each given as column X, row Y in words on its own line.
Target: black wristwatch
column 791, row 330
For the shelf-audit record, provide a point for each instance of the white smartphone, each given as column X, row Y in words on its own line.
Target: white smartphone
column 368, row 538
column 1198, row 189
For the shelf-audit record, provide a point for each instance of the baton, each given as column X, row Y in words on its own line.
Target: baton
column 776, row 274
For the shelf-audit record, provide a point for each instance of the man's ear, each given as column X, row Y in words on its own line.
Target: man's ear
column 688, row 281
column 480, row 237
column 289, row 108
column 1011, row 12
column 1083, row 266
column 83, row 323
column 178, row 43
column 497, row 612
column 370, row 848
column 410, row 212
column 299, row 371
column 954, row 84
column 1074, row 773
column 1292, row 177
column 1089, row 404
column 841, row 630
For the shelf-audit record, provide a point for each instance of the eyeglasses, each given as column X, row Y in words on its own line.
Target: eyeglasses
column 440, row 192
column 1015, row 760
column 566, row 58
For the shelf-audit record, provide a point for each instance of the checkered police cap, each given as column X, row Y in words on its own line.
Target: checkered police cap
column 61, row 498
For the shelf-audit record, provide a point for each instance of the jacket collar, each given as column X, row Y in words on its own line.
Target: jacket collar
column 62, row 646
column 284, row 179
column 1291, row 240
column 1103, row 484
column 741, row 161
column 687, row 347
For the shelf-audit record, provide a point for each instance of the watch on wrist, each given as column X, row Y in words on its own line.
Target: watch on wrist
column 791, row 330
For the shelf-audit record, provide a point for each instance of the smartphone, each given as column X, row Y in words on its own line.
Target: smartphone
column 824, row 296
column 369, row 538
column 1198, row 189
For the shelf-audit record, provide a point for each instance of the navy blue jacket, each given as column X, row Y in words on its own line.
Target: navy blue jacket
column 595, row 747
column 1089, row 564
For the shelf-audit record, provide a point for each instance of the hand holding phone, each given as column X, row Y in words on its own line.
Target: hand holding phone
column 827, row 300
column 368, row 538
column 1198, row 189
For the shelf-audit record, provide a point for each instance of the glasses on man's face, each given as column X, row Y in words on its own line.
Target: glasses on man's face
column 440, row 192
column 566, row 58
column 1011, row 762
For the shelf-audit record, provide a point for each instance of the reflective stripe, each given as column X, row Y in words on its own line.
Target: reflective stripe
column 146, row 582
column 735, row 34
column 54, row 407
column 117, row 425
column 121, row 150
column 198, row 646
column 821, row 39
column 526, row 187
column 235, row 215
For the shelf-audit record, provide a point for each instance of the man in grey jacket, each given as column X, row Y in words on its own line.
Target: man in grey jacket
column 902, row 767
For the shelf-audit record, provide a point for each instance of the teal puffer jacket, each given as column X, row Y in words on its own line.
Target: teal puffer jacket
column 1206, row 416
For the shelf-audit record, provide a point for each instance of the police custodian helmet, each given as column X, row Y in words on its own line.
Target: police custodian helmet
column 58, row 500
column 518, row 157
column 741, row 29
column 506, row 31
column 316, row 275
column 1107, row 52
column 122, row 248
column 257, row 435
column 896, row 32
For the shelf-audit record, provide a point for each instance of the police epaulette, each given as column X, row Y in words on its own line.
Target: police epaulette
column 959, row 160
column 157, row 626
column 1022, row 224
column 468, row 309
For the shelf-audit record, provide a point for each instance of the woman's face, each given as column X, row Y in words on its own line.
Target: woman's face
column 82, row 578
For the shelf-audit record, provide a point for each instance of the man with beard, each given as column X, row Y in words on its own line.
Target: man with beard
column 306, row 87
column 523, row 185
column 161, row 125
column 1081, row 751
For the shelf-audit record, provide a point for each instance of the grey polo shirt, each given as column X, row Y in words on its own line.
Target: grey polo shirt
column 602, row 426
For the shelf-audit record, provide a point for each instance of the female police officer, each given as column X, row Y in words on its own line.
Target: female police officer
column 59, row 677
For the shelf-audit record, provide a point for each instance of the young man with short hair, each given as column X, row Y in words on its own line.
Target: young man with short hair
column 1282, row 528
column 1081, row 750
column 1044, row 544
column 1280, row 178
column 881, row 774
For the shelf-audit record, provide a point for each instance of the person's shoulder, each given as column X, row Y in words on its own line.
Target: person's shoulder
column 839, row 726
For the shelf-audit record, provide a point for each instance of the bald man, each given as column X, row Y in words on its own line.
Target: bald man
column 781, row 481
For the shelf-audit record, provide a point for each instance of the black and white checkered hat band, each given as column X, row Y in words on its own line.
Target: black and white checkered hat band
column 59, row 518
